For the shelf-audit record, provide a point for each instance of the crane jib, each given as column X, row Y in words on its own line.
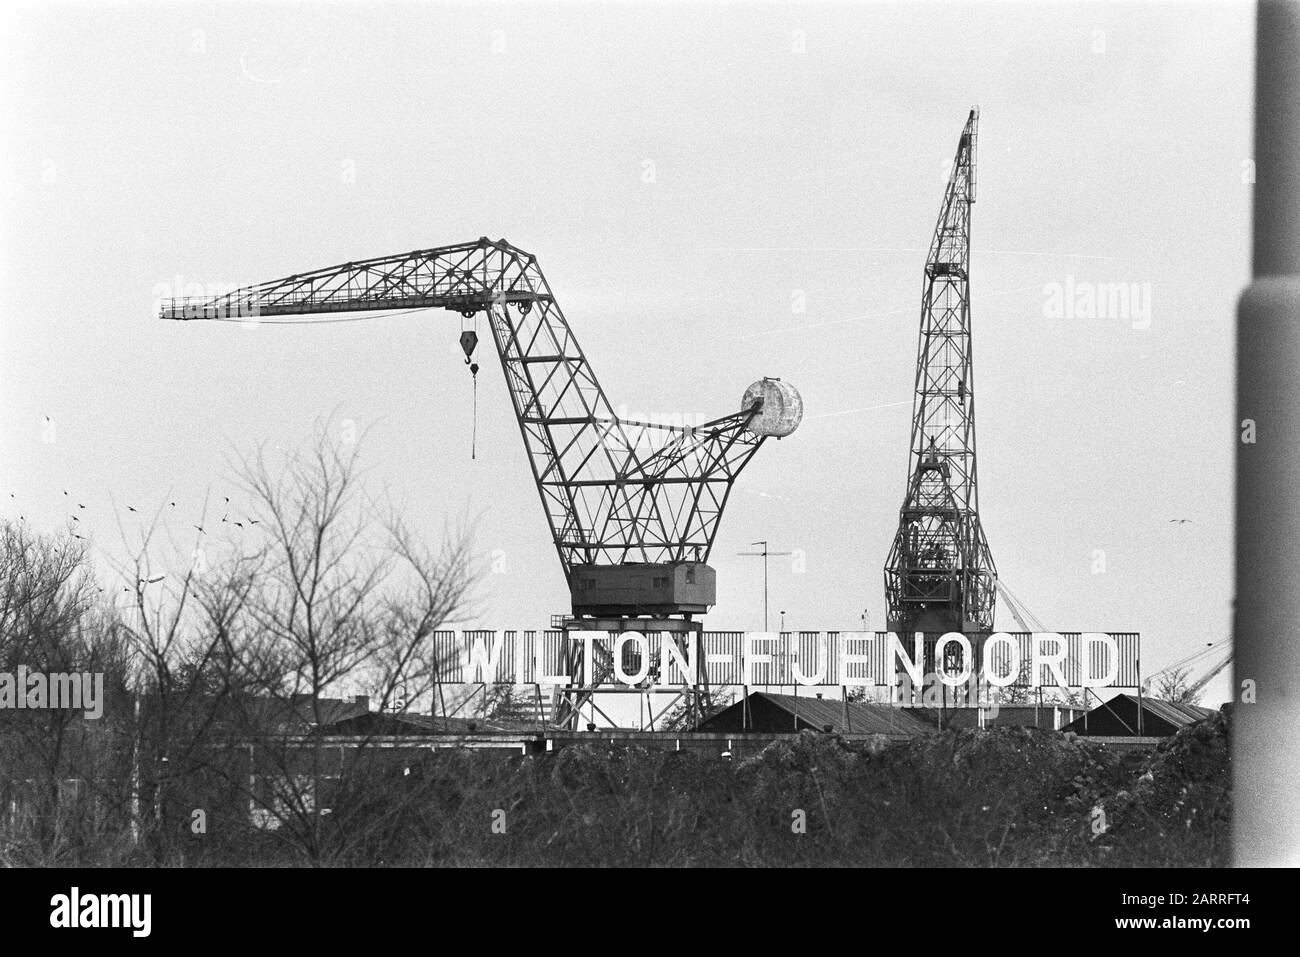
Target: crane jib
column 237, row 306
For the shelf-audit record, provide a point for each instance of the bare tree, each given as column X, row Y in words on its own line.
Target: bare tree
column 1174, row 686
column 59, row 768
column 1019, row 692
column 342, row 596
column 512, row 703
column 179, row 689
column 682, row 715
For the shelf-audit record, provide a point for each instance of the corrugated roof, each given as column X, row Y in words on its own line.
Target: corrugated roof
column 399, row 723
column 1178, row 715
column 817, row 713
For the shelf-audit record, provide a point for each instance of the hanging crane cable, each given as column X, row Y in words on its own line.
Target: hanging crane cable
column 469, row 342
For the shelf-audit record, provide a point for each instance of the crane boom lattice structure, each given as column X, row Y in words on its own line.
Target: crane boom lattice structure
column 940, row 575
column 633, row 507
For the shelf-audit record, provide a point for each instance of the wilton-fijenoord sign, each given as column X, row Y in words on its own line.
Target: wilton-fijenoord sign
column 757, row 659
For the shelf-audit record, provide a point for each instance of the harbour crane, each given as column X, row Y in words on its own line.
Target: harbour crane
column 939, row 575
column 1199, row 684
column 633, row 507
column 1196, row 659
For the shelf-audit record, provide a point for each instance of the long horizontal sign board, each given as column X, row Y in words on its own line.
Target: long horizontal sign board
column 809, row 658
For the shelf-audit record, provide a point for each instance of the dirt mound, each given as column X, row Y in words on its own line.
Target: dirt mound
column 1176, row 808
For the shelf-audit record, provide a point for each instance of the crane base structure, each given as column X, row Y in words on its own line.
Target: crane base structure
column 598, row 649
column 633, row 507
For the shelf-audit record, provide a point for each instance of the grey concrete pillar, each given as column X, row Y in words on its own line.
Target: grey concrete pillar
column 1266, row 733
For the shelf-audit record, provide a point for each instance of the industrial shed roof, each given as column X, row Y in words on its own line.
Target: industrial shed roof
column 770, row 712
column 399, row 723
column 1118, row 716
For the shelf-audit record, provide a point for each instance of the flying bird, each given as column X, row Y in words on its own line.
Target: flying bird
column 1181, row 521
column 199, row 527
column 130, row 509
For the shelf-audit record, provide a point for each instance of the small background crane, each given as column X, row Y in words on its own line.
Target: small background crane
column 939, row 575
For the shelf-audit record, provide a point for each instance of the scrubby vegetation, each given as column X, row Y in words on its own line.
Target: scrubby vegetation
column 1005, row 797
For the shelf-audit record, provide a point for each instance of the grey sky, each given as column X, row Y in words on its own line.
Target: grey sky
column 797, row 150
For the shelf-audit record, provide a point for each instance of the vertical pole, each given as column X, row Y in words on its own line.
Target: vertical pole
column 135, row 775
column 437, row 684
column 701, row 671
column 1265, row 748
column 252, row 781
column 1140, row 708
column 765, row 586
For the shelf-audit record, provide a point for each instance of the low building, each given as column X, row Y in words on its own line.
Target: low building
column 1118, row 717
column 1047, row 716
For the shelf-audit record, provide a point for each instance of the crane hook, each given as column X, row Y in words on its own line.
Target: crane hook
column 469, row 342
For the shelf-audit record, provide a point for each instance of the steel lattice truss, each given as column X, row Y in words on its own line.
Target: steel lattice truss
column 614, row 491
column 940, row 573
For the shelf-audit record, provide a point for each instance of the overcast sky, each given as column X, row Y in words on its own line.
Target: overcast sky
column 797, row 152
